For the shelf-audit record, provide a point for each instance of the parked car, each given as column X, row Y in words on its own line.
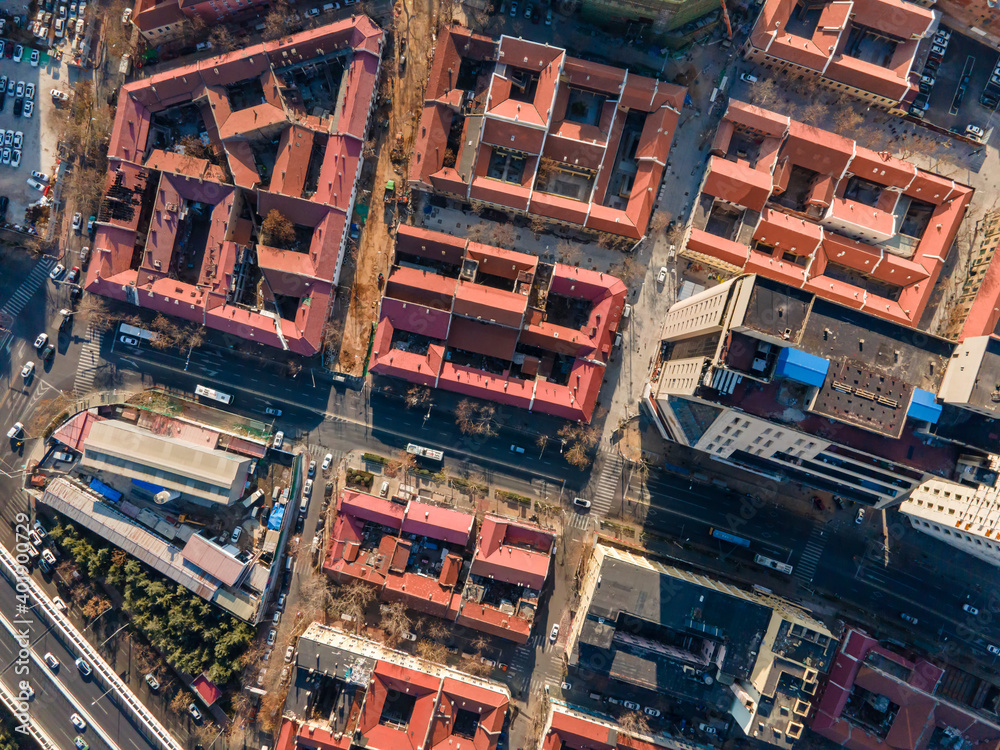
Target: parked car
column 77, row 221
column 974, row 131
column 74, row 275
column 279, row 438
column 195, row 713
column 129, row 340
column 18, row 53
column 63, row 456
column 707, row 729
column 153, row 683
column 662, row 275
column 48, row 557
column 42, row 339
column 651, row 712
column 554, row 633
column 40, row 176
column 312, row 469
column 60, row 96
column 48, row 352
column 289, row 653
column 579, row 502
column 28, row 370
column 235, row 536
column 35, row 56
column 993, row 650
column 860, row 517
column 272, row 636
column 15, row 431
column 632, row 705
column 909, row 618
column 32, row 182
column 327, row 461
column 81, row 744
column 970, row 609
column 58, row 603
column 748, row 78
column 90, row 224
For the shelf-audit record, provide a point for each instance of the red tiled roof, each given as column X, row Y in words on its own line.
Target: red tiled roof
column 370, row 508
column 433, row 521
column 206, row 689
column 496, row 557
column 482, row 338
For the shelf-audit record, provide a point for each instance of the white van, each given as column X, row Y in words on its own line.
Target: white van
column 384, row 489
column 279, row 438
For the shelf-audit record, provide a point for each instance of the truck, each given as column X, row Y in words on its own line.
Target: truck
column 126, row 65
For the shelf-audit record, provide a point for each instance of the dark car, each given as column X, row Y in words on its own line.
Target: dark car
column 4, row 201
column 818, row 502
column 48, row 352
column 536, row 15
column 300, row 524
column 8, row 51
column 18, row 106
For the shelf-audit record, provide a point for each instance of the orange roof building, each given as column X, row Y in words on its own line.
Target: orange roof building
column 198, row 157
column 815, row 210
column 415, row 552
column 389, row 700
column 496, row 324
column 524, row 127
column 866, row 48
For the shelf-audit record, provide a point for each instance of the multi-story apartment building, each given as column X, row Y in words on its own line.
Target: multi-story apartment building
column 777, row 380
column 864, row 48
column 523, row 127
column 661, row 631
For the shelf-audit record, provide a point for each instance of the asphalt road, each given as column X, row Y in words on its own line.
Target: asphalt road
column 49, row 707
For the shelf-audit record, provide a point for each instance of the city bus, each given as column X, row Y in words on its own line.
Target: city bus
column 767, row 562
column 205, row 392
column 432, row 458
column 727, row 537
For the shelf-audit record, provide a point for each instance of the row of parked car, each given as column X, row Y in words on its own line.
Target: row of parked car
column 928, row 77
column 62, row 20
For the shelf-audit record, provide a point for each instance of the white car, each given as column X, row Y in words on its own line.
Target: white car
column 15, row 159
column 32, row 182
column 127, row 15
column 579, row 502
column 40, row 176
column 34, row 58
column 78, row 722
column 662, row 275
column 19, row 91
column 993, row 650
column 272, row 636
column 84, row 667
column 52, row 661
column 58, row 603
column 860, row 517
column 152, row 682
column 631, row 705
column 48, row 557
column 29, row 91
column 60, row 96
column 77, row 221
column 29, row 107
column 279, row 438
column 235, row 536
column 554, row 633
column 651, row 712
column 195, row 713
column 748, row 78
column 312, row 12
column 289, row 653
column 27, row 370
column 57, row 272
column 307, row 490
column 974, row 131
column 970, row 609
column 327, row 460
column 19, row 139
column 129, row 340
column 18, row 53
column 16, row 430
column 42, row 340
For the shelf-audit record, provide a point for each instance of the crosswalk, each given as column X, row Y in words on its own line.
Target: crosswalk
column 318, row 452
column 607, row 485
column 809, row 559
column 25, row 292
column 532, row 667
column 29, row 286
column 89, row 362
column 577, row 520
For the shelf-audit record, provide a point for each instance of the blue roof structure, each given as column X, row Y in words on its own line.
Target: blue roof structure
column 102, row 489
column 274, row 520
column 924, row 407
column 148, row 486
column 802, row 367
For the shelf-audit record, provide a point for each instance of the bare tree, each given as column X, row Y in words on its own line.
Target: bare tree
column 417, row 395
column 847, row 119
column 352, row 600
column 814, row 113
column 475, row 419
column 538, row 225
column 764, row 92
column 278, row 22
column 395, row 622
column 403, row 462
column 634, row 722
column 431, row 650
column 223, row 39
column 504, row 236
column 568, row 252
column 277, row 230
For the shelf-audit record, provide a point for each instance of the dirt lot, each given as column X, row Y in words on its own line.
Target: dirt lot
column 414, row 20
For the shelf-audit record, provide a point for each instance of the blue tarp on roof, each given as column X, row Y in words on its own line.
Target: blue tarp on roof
column 801, row 367
column 149, row 487
column 274, row 521
column 101, row 488
column 924, row 407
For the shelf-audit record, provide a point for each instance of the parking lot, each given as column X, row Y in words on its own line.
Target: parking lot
column 39, row 147
column 963, row 56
